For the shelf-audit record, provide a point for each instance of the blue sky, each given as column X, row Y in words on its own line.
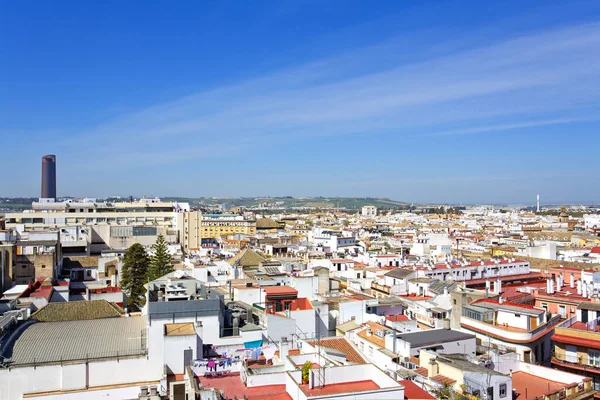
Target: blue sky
column 474, row 102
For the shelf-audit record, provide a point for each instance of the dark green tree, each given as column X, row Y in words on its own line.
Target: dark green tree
column 160, row 261
column 134, row 276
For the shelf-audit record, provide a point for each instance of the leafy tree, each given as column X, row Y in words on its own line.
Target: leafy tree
column 160, row 261
column 446, row 392
column 134, row 276
column 306, row 367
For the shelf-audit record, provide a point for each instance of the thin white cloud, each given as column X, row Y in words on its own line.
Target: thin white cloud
column 506, row 127
column 541, row 74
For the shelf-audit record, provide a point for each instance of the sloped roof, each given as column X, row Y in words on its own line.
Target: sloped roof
column 400, row 273
column 80, row 262
column 266, row 223
column 438, row 287
column 342, row 345
column 247, row 258
column 347, row 326
column 77, row 311
column 47, row 342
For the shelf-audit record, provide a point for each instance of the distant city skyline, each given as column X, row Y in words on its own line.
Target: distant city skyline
column 480, row 103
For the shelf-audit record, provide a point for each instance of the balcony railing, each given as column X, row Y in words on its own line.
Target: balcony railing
column 507, row 332
column 381, row 288
column 578, row 363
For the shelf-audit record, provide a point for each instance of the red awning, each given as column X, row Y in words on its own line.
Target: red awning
column 577, row 341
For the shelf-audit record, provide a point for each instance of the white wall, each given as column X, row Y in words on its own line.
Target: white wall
column 404, row 326
column 278, row 327
column 307, row 286
column 174, row 350
column 275, row 378
column 510, row 361
column 130, row 392
column 305, row 322
column 510, row 318
column 349, row 309
column 22, row 380
column 249, row 295
column 390, row 389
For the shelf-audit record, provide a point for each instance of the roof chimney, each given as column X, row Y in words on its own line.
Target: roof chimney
column 572, row 280
column 550, row 286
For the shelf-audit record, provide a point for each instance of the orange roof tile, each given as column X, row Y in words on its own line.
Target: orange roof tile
column 373, row 338
column 396, row 318
column 341, row 344
column 280, row 290
column 444, row 380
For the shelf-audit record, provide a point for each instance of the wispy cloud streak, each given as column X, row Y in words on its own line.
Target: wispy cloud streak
column 541, row 78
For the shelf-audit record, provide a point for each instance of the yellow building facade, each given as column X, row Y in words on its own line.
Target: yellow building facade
column 214, row 226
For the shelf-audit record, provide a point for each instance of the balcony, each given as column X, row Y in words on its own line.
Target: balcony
column 381, row 288
column 508, row 333
column 579, row 364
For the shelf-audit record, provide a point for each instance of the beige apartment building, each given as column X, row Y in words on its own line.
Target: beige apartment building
column 197, row 226
column 222, row 225
column 119, row 225
column 108, row 225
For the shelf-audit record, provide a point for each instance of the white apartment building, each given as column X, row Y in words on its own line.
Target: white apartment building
column 90, row 226
column 369, row 211
column 466, row 271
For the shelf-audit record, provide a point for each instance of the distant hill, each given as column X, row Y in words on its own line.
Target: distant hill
column 18, row 204
column 315, row 202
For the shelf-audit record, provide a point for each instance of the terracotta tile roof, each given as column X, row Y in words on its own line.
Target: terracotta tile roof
column 343, row 345
column 280, row 291
column 422, row 371
column 444, row 380
column 77, row 310
column 397, row 318
column 266, row 223
column 373, row 338
column 247, row 258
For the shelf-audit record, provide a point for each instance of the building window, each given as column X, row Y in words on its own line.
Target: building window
column 594, row 358
column 370, row 350
column 562, row 310
column 503, row 390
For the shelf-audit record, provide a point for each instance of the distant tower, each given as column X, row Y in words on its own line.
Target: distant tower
column 49, row 177
column 538, row 203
